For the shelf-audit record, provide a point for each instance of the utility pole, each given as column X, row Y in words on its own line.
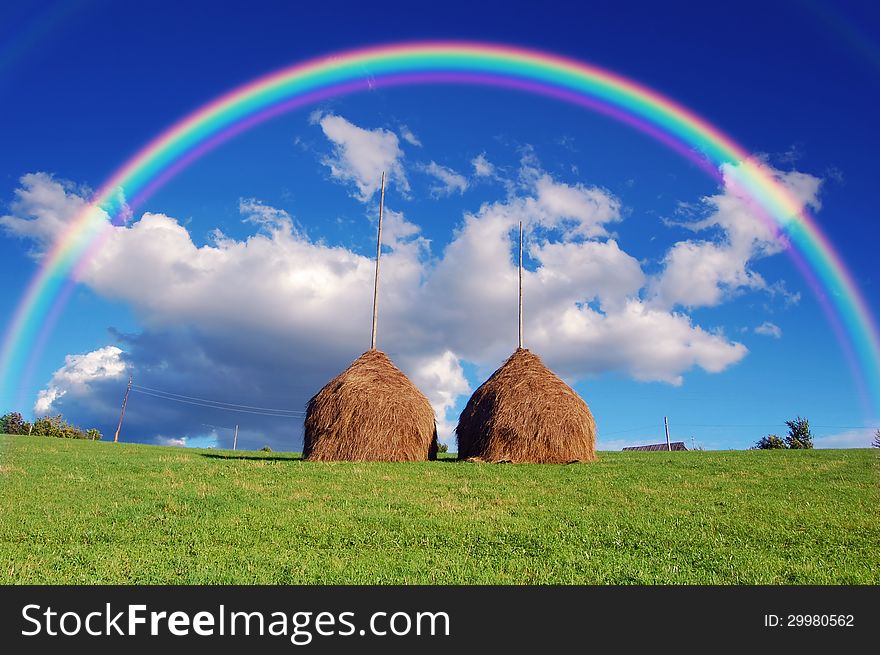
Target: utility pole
column 122, row 414
column 235, row 437
column 378, row 255
column 666, row 423
column 520, row 287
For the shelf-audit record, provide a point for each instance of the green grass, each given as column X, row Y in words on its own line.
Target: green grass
column 85, row 512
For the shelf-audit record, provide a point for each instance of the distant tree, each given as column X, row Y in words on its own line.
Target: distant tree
column 13, row 423
column 770, row 442
column 799, row 435
column 876, row 442
column 442, row 448
column 265, row 449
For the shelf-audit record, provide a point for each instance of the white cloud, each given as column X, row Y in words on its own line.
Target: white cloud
column 409, row 137
column 482, row 166
column 588, row 209
column 78, row 375
column 400, row 234
column 171, row 441
column 270, row 218
column 360, row 155
column 769, row 329
column 441, row 378
column 477, row 270
column 649, row 344
column 450, row 181
column 858, row 438
column 42, row 209
column 704, row 273
column 266, row 320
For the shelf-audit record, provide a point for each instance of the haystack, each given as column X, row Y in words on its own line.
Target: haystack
column 525, row 413
column 370, row 412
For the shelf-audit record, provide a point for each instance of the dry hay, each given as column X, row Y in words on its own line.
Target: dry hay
column 525, row 413
column 370, row 412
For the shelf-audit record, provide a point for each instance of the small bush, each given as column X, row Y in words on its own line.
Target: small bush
column 770, row 442
column 56, row 426
column 13, row 423
column 265, row 449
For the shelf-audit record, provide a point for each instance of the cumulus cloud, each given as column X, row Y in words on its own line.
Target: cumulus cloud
column 42, row 208
column 360, row 155
column 704, row 273
column 79, row 375
column 443, row 380
column 769, row 329
column 408, row 136
column 449, row 180
column 582, row 307
column 400, row 234
column 265, row 320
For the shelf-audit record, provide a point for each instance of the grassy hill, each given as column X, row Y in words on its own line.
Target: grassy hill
column 91, row 512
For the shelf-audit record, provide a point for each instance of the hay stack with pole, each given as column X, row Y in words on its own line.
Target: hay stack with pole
column 371, row 411
column 525, row 413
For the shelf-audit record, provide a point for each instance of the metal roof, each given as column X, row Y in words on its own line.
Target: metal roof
column 676, row 445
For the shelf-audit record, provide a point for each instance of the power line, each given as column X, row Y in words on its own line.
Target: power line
column 643, row 427
column 216, row 402
column 773, row 425
column 737, row 425
column 227, row 409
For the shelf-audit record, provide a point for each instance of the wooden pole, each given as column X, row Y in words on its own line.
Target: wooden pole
column 378, row 255
column 520, row 287
column 122, row 414
column 235, row 437
column 666, row 424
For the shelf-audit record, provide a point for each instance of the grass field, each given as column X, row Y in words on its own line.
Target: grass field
column 86, row 512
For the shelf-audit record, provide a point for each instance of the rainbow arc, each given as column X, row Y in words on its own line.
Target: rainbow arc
column 482, row 64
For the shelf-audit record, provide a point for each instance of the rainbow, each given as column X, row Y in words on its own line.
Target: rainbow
column 531, row 71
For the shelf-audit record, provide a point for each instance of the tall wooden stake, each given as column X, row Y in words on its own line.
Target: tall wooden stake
column 666, row 424
column 378, row 255
column 520, row 286
column 235, row 437
column 122, row 414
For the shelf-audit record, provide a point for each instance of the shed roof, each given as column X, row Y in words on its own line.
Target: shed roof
column 675, row 445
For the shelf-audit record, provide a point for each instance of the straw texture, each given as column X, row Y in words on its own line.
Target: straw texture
column 370, row 412
column 525, row 413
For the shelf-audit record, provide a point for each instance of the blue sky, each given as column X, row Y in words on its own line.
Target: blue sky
column 281, row 225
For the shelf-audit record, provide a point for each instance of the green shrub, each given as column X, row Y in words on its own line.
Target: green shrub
column 56, row 426
column 442, row 448
column 13, row 423
column 265, row 449
column 770, row 442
